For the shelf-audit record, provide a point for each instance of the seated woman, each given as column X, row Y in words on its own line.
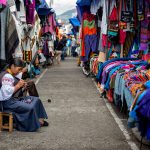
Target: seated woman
column 28, row 112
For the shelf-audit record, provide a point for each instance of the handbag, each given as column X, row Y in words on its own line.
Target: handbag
column 113, row 26
column 126, row 15
column 140, row 10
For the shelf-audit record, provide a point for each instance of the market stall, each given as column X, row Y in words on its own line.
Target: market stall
column 118, row 33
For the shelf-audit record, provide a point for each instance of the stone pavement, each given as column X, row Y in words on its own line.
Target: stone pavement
column 79, row 119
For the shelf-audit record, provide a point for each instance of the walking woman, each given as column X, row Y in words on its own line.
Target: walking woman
column 59, row 50
column 28, row 112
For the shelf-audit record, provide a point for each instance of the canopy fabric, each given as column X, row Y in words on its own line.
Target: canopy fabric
column 43, row 9
column 83, row 2
column 74, row 21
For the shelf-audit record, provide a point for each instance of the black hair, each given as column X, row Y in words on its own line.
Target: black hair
column 16, row 62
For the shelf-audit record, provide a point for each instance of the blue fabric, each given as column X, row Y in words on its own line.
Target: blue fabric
column 128, row 97
column 90, row 46
column 109, row 61
column 144, row 105
column 110, row 74
column 109, row 53
column 43, row 9
column 147, row 84
column 69, row 42
column 139, row 116
column 74, row 31
column 74, row 21
column 26, row 113
column 79, row 13
column 133, row 118
column 117, row 90
column 122, row 88
column 135, row 42
column 143, row 112
column 83, row 2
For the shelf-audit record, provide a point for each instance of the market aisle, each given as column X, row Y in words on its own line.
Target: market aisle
column 79, row 119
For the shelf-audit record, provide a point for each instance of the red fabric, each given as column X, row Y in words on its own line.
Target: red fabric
column 122, row 36
column 146, row 57
column 89, row 31
column 105, row 41
column 113, row 15
column 110, row 95
column 89, row 17
column 57, row 31
column 82, row 48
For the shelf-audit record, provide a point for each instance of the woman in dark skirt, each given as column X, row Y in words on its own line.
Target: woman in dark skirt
column 28, row 112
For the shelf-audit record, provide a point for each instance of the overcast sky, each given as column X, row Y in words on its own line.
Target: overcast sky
column 61, row 6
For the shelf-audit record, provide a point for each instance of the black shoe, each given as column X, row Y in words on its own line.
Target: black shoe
column 45, row 124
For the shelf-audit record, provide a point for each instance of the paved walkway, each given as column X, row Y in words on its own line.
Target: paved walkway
column 79, row 119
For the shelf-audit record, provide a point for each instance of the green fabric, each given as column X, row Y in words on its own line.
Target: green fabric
column 90, row 24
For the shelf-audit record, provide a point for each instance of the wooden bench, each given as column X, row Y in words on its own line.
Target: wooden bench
column 8, row 126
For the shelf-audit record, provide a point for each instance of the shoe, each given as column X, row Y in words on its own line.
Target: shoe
column 45, row 124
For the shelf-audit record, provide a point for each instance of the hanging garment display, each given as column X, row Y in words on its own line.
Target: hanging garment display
column 88, row 32
column 8, row 35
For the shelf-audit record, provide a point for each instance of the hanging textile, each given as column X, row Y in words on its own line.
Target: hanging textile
column 88, row 35
column 104, row 18
column 8, row 36
column 145, row 31
column 50, row 24
column 30, row 10
column 27, row 47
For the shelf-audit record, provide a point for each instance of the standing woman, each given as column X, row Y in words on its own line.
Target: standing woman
column 28, row 112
